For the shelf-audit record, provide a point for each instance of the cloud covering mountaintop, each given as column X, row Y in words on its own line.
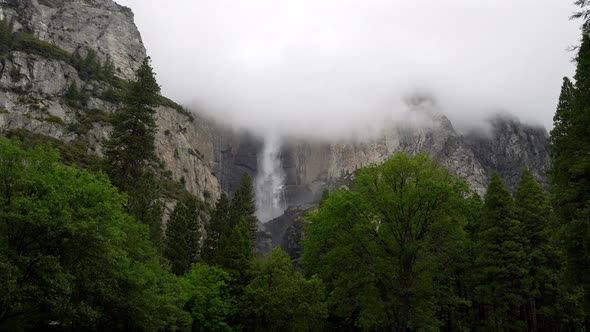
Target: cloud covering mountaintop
column 340, row 65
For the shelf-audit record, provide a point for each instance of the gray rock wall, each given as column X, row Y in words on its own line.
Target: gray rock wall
column 32, row 88
column 83, row 25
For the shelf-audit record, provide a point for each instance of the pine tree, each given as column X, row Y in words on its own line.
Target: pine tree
column 217, row 231
column 237, row 253
column 131, row 148
column 131, row 152
column 545, row 297
column 244, row 205
column 144, row 203
column 501, row 261
column 183, row 235
column 570, row 173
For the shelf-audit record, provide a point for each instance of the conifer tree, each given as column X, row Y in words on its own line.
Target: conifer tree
column 144, row 203
column 183, row 235
column 217, row 231
column 131, row 149
column 501, row 261
column 237, row 253
column 570, row 171
column 534, row 211
column 131, row 153
column 243, row 205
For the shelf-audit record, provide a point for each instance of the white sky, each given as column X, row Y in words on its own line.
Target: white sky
column 329, row 66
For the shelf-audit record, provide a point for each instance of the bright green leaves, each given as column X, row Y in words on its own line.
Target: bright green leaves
column 71, row 255
column 380, row 246
column 280, row 299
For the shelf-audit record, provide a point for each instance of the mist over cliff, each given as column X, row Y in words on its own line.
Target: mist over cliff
column 328, row 68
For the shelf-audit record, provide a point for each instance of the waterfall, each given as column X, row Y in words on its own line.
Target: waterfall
column 270, row 181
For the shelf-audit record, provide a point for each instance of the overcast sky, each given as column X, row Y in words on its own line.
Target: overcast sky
column 326, row 66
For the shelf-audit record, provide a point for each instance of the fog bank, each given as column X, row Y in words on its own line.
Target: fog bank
column 332, row 67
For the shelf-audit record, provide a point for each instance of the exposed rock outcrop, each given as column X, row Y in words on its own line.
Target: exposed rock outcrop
column 32, row 87
column 510, row 147
column 102, row 26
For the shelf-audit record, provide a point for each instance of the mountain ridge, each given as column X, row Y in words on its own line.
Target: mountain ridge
column 207, row 157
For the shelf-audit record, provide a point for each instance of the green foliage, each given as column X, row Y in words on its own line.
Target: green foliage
column 325, row 194
column 55, row 119
column 183, row 235
column 169, row 103
column 237, row 257
column 91, row 68
column 86, row 118
column 280, row 299
column 131, row 149
column 501, row 262
column 144, row 204
column 243, row 206
column 217, row 231
column 383, row 247
column 28, row 43
column 6, row 37
column 550, row 306
column 74, row 97
column 570, row 172
column 210, row 301
column 131, row 153
column 70, row 255
column 74, row 154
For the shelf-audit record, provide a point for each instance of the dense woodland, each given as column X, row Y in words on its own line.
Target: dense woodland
column 408, row 247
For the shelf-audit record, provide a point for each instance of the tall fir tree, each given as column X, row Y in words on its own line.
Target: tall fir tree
column 217, row 231
column 501, row 262
column 570, row 172
column 131, row 153
column 131, row 148
column 546, row 296
column 145, row 205
column 183, row 235
column 243, row 206
column 237, row 255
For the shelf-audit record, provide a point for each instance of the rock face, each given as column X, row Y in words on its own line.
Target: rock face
column 286, row 231
column 236, row 152
column 82, row 25
column 510, row 147
column 314, row 166
column 32, row 88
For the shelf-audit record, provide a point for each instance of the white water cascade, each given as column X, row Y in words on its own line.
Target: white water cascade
column 270, row 181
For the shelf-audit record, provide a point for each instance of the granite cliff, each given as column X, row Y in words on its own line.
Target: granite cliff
column 33, row 87
column 206, row 157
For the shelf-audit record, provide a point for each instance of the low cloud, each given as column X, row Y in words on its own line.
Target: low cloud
column 332, row 67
